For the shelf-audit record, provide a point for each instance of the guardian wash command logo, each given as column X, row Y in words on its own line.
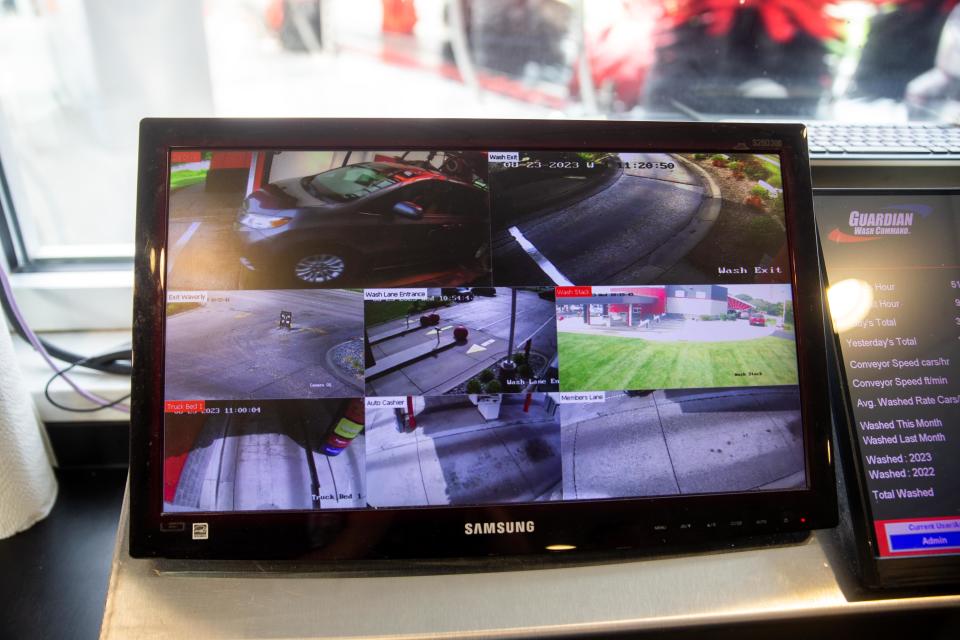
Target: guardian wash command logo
column 891, row 220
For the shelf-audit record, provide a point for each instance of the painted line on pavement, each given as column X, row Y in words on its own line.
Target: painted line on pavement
column 180, row 243
column 545, row 265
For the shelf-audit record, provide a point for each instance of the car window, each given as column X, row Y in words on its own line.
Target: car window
column 350, row 182
column 432, row 196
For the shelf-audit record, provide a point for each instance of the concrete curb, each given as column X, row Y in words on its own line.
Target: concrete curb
column 335, row 370
column 378, row 371
column 690, row 236
column 388, row 335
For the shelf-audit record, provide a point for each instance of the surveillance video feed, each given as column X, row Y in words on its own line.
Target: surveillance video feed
column 621, row 444
column 322, row 219
column 225, row 345
column 595, row 218
column 344, row 331
column 458, row 340
column 463, row 450
column 675, row 336
column 263, row 455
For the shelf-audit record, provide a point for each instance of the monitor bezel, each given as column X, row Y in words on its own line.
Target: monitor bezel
column 876, row 571
column 437, row 532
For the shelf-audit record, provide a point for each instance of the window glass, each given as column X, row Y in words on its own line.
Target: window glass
column 350, row 183
column 76, row 76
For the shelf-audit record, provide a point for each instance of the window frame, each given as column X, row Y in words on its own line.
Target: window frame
column 63, row 294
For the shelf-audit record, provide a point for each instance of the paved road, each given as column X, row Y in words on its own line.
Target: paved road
column 262, row 462
column 693, row 441
column 203, row 249
column 488, row 319
column 233, row 348
column 455, row 457
column 604, row 238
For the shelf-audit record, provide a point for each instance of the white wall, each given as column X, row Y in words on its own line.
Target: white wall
column 696, row 306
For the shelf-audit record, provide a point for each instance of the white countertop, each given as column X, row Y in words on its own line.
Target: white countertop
column 164, row 599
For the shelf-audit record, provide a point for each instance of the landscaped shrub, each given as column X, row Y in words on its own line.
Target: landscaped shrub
column 492, row 387
column 737, row 169
column 756, row 170
column 486, row 375
column 757, row 198
column 474, row 386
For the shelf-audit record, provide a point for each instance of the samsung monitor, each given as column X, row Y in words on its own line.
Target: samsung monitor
column 368, row 339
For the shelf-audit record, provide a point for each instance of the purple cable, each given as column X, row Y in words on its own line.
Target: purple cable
column 35, row 343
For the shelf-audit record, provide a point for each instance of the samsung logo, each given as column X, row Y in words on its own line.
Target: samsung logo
column 482, row 528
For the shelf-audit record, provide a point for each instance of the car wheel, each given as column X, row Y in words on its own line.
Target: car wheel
column 322, row 268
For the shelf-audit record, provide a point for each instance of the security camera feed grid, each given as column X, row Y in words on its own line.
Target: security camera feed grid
column 263, row 456
column 293, row 344
column 458, row 340
column 463, row 450
column 622, row 444
column 593, row 218
column 675, row 336
column 333, row 342
column 275, row 219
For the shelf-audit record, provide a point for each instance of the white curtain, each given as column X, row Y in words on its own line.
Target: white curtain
column 28, row 487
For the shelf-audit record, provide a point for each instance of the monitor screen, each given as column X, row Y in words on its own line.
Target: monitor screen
column 893, row 261
column 371, row 330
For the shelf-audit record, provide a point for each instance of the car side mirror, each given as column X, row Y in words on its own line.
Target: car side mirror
column 410, row 210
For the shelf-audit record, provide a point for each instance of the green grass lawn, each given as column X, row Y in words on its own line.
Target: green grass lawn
column 186, row 177
column 607, row 363
column 774, row 180
column 173, row 308
column 375, row 313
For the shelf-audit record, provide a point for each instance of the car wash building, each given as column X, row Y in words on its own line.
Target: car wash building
column 696, row 300
column 621, row 306
column 639, row 306
column 740, row 306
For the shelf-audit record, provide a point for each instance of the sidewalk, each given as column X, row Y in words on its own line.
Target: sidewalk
column 454, row 457
column 683, row 442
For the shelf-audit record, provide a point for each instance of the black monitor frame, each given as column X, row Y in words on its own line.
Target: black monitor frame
column 436, row 532
column 874, row 571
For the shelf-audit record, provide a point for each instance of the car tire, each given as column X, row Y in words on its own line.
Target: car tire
column 326, row 267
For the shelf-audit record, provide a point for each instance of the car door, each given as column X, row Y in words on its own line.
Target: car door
column 403, row 240
column 460, row 220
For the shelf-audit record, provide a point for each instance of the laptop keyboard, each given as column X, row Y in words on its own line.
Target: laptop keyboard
column 843, row 140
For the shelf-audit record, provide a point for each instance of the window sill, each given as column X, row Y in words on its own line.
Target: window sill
column 73, row 301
